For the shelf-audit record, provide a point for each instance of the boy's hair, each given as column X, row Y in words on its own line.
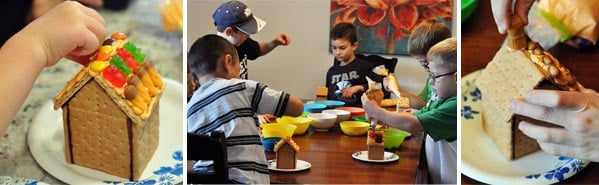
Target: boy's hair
column 425, row 35
column 344, row 31
column 205, row 53
column 445, row 53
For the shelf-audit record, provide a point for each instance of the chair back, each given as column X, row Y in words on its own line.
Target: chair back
column 204, row 147
column 376, row 60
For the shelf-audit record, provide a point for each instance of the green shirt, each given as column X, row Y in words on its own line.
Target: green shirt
column 439, row 118
column 427, row 91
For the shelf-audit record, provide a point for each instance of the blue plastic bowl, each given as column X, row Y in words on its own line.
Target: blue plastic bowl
column 331, row 104
column 269, row 143
column 314, row 107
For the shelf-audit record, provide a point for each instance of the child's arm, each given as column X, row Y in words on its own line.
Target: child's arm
column 295, row 107
column 349, row 92
column 69, row 29
column 416, row 102
column 401, row 120
column 266, row 47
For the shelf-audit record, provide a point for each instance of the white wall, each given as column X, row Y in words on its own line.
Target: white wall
column 300, row 67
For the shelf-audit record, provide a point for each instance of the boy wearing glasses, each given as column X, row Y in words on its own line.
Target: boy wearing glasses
column 422, row 38
column 438, row 118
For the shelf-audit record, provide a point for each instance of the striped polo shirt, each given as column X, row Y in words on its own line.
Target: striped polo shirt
column 231, row 106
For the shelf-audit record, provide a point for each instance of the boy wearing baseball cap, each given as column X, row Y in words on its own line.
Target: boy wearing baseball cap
column 235, row 22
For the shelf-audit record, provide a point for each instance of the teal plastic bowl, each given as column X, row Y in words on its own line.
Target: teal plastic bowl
column 468, row 6
column 314, row 107
column 331, row 104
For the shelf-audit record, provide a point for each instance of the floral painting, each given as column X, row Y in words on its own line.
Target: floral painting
column 384, row 26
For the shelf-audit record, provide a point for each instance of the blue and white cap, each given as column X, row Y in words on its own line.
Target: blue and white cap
column 238, row 15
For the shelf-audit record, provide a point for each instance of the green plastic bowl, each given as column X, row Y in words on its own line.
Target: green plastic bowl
column 394, row 138
column 360, row 118
column 468, row 6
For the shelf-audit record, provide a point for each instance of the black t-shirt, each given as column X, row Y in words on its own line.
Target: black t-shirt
column 248, row 50
column 354, row 73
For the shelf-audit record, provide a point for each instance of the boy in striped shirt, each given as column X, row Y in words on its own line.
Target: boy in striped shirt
column 225, row 102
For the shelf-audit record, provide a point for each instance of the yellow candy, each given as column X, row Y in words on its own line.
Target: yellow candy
column 106, row 48
column 98, row 66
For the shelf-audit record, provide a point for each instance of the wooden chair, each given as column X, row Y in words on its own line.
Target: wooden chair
column 376, row 60
column 204, row 147
column 321, row 93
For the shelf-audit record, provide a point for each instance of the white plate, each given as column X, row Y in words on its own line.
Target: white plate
column 46, row 142
column 299, row 166
column 482, row 161
column 19, row 180
column 363, row 156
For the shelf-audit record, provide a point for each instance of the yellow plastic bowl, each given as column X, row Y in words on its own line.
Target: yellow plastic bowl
column 277, row 130
column 302, row 123
column 354, row 128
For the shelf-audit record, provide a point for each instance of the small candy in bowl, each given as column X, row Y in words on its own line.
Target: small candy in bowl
column 354, row 128
column 269, row 143
column 302, row 123
column 277, row 130
column 322, row 122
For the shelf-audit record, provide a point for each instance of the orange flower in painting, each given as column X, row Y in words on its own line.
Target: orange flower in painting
column 403, row 15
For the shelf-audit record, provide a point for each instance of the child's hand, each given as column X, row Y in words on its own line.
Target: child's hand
column 369, row 106
column 282, row 39
column 349, row 92
column 266, row 118
column 68, row 30
column 577, row 112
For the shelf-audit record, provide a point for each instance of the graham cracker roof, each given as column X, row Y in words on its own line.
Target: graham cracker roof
column 289, row 141
column 122, row 71
column 509, row 75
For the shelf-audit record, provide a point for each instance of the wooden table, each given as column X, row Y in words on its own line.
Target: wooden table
column 330, row 154
column 480, row 42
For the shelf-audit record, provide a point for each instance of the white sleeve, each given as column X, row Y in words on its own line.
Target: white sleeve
column 269, row 101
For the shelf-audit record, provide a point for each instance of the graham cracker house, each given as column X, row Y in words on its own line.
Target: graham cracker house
column 376, row 144
column 518, row 67
column 286, row 150
column 110, row 111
